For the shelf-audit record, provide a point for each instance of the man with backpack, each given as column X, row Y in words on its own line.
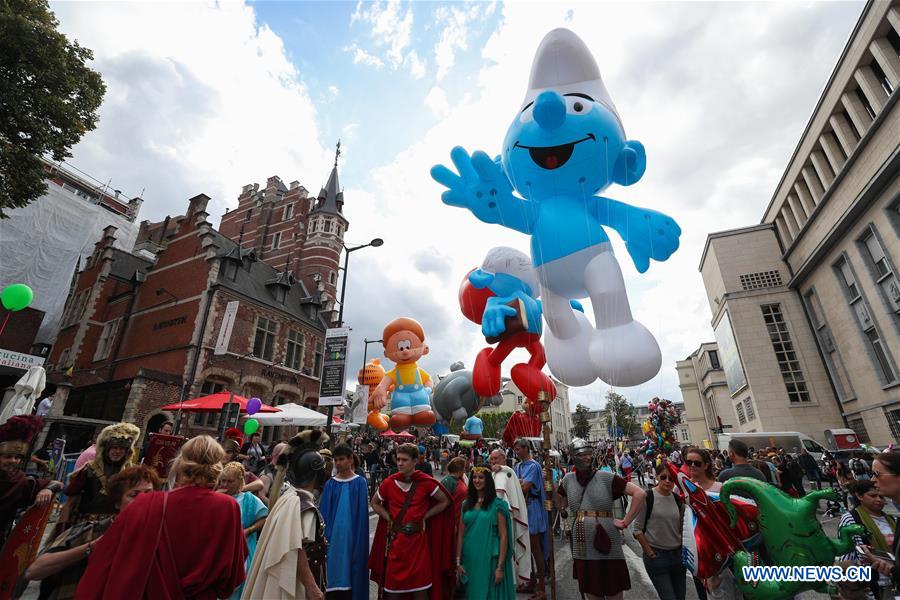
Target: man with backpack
column 860, row 468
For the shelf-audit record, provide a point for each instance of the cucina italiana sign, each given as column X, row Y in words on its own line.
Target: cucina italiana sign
column 18, row 360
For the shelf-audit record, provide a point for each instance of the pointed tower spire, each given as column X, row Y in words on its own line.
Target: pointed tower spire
column 331, row 198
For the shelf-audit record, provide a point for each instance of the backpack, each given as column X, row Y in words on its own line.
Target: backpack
column 648, row 507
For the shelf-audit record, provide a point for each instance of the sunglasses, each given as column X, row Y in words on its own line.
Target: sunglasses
column 694, row 463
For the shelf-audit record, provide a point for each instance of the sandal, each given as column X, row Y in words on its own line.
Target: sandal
column 539, row 594
column 525, row 588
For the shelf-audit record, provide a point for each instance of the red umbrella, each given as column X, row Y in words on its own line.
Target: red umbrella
column 214, row 403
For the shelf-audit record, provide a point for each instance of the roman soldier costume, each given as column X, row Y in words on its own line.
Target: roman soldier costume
column 87, row 486
column 17, row 490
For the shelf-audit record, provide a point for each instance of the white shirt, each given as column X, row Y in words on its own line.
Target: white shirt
column 44, row 407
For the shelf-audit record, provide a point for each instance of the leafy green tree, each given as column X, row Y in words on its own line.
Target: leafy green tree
column 581, row 427
column 618, row 405
column 494, row 423
column 48, row 98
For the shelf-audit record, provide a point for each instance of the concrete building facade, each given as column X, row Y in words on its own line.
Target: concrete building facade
column 560, row 415
column 806, row 305
column 707, row 402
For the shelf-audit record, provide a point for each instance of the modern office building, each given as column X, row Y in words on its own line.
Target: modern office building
column 806, row 304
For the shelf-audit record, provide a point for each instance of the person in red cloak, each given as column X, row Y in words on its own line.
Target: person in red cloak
column 410, row 559
column 18, row 491
column 187, row 543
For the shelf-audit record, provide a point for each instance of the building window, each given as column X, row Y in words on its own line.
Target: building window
column 209, row 387
column 264, row 342
column 293, row 356
column 859, row 428
column 763, row 279
column 785, row 354
column 876, row 254
column 849, row 281
column 748, row 406
column 106, row 340
column 288, row 212
column 317, row 360
column 893, row 419
column 714, row 360
column 739, row 408
column 880, row 355
column 339, row 230
column 327, row 228
column 881, row 268
column 276, row 240
column 248, row 214
column 313, row 225
column 685, row 436
column 332, row 278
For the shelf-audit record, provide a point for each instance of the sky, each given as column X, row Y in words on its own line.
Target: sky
column 207, row 97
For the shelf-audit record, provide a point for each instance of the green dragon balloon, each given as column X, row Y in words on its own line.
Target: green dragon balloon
column 791, row 534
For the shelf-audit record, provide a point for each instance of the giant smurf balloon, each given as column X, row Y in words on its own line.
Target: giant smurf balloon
column 404, row 343
column 501, row 296
column 565, row 145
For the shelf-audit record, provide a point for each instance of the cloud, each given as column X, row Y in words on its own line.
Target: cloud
column 430, row 261
column 360, row 56
column 717, row 138
column 196, row 101
column 334, row 91
column 436, row 100
column 454, row 35
column 390, row 30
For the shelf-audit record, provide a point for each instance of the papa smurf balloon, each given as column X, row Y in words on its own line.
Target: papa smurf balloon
column 566, row 144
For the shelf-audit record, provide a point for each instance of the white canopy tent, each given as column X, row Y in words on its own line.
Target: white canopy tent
column 291, row 414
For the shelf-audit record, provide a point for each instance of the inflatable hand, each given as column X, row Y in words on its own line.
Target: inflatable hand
column 493, row 322
column 481, row 185
column 649, row 235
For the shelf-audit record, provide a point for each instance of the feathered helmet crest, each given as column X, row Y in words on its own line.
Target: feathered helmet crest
column 120, row 435
column 18, row 432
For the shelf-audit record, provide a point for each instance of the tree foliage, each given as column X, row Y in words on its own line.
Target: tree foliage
column 618, row 405
column 494, row 423
column 581, row 427
column 48, row 98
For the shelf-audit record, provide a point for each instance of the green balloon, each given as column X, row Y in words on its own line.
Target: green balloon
column 251, row 426
column 16, row 297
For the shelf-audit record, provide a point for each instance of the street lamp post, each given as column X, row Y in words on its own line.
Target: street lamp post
column 366, row 350
column 375, row 243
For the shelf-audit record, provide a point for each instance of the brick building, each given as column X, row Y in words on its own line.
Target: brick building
column 144, row 329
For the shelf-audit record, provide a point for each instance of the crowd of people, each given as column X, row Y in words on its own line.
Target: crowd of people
column 240, row 519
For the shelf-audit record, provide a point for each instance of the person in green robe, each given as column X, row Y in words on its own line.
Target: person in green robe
column 485, row 546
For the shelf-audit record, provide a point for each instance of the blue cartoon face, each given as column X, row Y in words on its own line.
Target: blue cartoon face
column 562, row 145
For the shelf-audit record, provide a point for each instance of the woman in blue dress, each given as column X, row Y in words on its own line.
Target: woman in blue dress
column 253, row 511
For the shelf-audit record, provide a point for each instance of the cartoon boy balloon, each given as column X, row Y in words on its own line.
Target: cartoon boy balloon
column 404, row 344
column 565, row 145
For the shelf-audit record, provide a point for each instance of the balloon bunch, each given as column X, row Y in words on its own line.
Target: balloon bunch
column 251, row 426
column 659, row 428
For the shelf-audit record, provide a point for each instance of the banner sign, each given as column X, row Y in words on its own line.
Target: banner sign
column 19, row 360
column 161, row 452
column 361, row 404
column 334, row 367
column 227, row 325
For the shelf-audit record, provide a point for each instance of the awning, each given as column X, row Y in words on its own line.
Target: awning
column 214, row 403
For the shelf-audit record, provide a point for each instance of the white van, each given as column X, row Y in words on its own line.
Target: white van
column 778, row 439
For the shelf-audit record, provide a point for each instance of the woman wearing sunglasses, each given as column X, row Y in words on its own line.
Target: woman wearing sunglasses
column 886, row 475
column 658, row 530
column 700, row 470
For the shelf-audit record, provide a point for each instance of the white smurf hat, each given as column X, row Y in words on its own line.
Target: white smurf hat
column 510, row 261
column 564, row 62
